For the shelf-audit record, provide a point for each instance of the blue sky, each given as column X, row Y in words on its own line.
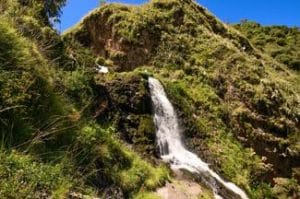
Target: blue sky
column 267, row 12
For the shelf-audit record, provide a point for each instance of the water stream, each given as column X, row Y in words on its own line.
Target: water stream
column 173, row 151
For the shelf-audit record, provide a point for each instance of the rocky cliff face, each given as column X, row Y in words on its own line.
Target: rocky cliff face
column 127, row 102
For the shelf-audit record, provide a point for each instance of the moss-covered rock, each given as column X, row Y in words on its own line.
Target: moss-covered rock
column 128, row 104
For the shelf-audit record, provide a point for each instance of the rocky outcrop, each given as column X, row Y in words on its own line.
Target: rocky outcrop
column 126, row 100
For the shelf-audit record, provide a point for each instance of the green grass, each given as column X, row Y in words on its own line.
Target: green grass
column 225, row 90
column 123, row 166
column 50, row 145
column 280, row 42
column 27, row 91
column 23, row 177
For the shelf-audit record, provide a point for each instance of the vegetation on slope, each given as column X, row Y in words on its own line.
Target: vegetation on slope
column 51, row 145
column 67, row 131
column 239, row 107
column 280, row 42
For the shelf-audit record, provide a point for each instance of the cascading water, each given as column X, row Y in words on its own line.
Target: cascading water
column 172, row 150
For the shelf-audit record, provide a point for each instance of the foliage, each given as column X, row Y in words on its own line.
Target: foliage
column 49, row 9
column 47, row 92
column 22, row 177
column 280, row 42
column 31, row 20
column 121, row 165
column 25, row 86
column 231, row 97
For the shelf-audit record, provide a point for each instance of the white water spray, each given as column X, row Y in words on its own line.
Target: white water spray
column 172, row 150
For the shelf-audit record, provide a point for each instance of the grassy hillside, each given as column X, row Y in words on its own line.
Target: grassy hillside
column 51, row 145
column 238, row 106
column 68, row 131
column 280, row 42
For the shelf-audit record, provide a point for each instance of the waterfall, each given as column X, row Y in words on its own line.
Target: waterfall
column 173, row 151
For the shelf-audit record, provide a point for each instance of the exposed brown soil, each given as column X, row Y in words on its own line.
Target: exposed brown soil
column 182, row 187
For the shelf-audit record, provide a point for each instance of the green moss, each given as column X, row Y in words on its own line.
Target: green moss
column 262, row 190
column 206, row 193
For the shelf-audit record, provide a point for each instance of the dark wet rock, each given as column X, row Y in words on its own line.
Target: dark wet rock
column 113, row 192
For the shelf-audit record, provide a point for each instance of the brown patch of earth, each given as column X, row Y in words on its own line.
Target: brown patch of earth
column 183, row 187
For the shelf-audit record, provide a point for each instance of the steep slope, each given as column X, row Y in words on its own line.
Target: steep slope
column 280, row 42
column 51, row 146
column 239, row 107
